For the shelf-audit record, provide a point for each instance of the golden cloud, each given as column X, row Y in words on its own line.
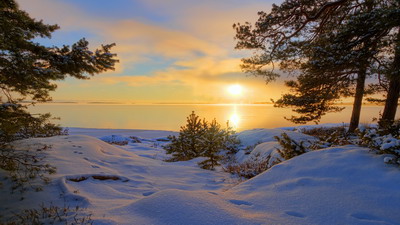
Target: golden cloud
column 200, row 44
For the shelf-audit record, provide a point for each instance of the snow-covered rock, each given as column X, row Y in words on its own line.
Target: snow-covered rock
column 257, row 136
column 116, row 139
column 261, row 143
column 260, row 153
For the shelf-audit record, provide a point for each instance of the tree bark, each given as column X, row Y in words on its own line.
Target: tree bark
column 392, row 98
column 355, row 116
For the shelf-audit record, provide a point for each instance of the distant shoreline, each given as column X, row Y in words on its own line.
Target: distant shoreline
column 171, row 103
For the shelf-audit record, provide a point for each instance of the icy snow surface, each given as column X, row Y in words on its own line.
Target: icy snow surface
column 344, row 185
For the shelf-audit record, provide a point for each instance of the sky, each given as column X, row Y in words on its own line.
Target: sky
column 175, row 51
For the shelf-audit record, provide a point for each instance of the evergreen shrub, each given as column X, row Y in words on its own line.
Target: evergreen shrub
column 199, row 138
column 384, row 139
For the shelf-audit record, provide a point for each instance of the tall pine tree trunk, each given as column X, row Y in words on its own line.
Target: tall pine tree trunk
column 355, row 116
column 392, row 98
column 362, row 75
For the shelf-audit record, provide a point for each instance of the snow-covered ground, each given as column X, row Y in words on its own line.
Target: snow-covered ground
column 131, row 184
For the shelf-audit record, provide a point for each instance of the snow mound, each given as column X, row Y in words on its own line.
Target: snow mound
column 260, row 153
column 188, row 207
column 343, row 185
column 257, row 136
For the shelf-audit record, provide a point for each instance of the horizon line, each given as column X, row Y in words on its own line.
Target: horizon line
column 169, row 103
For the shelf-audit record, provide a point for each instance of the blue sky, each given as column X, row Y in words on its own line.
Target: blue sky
column 169, row 51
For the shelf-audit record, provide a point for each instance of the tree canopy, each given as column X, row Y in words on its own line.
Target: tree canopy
column 29, row 69
column 333, row 46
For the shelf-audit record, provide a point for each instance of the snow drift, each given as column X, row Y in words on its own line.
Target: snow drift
column 127, row 185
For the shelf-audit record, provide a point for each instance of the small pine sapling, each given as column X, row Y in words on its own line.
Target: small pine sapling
column 200, row 138
column 188, row 145
column 212, row 142
column 192, row 133
column 177, row 149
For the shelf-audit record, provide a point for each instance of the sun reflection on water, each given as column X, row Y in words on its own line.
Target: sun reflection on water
column 234, row 120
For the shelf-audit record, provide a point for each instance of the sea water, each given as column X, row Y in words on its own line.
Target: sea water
column 172, row 116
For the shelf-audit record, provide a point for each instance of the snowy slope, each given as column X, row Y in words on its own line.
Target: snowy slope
column 345, row 185
column 131, row 185
column 82, row 157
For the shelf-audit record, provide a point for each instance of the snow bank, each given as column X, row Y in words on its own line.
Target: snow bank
column 127, row 185
column 344, row 185
column 257, row 136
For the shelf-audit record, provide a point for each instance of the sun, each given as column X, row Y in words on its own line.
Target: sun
column 235, row 89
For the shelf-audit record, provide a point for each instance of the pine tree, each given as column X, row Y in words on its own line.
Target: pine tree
column 28, row 69
column 393, row 75
column 177, row 149
column 192, row 133
column 27, row 72
column 188, row 144
column 16, row 123
column 212, row 142
column 350, row 35
column 198, row 138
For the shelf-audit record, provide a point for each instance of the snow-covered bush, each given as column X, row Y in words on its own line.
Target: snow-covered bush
column 389, row 127
column 24, row 166
column 251, row 168
column 290, row 148
column 383, row 140
column 199, row 138
column 329, row 136
column 52, row 215
column 265, row 149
